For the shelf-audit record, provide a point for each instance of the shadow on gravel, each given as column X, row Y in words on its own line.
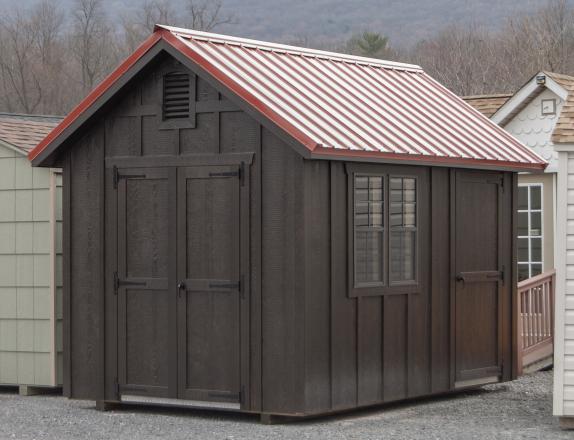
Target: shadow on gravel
column 230, row 416
column 175, row 411
column 8, row 390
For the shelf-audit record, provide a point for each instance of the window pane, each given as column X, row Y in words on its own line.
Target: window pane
column 361, row 194
column 536, row 269
column 376, row 214
column 396, row 189
column 368, row 256
column 523, row 272
column 523, row 224
column 536, row 249
column 522, row 197
column 376, row 188
column 523, row 250
column 535, row 224
column 362, row 214
column 409, row 218
column 396, row 214
column 369, row 217
column 361, row 182
column 402, row 256
column 535, row 197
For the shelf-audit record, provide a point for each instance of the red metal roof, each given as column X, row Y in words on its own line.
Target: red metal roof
column 344, row 106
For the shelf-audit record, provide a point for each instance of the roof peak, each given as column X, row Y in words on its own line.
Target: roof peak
column 284, row 48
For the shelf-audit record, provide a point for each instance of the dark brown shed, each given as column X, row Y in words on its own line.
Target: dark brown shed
column 282, row 231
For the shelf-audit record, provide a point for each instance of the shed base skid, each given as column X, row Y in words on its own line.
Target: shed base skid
column 566, row 422
column 103, row 405
column 33, row 390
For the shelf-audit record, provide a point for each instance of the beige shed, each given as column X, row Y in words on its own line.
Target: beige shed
column 30, row 259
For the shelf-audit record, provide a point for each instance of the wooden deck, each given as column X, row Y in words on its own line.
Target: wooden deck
column 535, row 322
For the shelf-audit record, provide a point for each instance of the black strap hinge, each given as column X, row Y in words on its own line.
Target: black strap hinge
column 240, row 173
column 118, row 283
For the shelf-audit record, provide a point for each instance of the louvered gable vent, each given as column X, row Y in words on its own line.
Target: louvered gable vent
column 176, row 96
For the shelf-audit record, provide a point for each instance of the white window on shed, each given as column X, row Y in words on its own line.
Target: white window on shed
column 529, row 230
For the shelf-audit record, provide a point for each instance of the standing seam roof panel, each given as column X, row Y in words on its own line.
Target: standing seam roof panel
column 407, row 129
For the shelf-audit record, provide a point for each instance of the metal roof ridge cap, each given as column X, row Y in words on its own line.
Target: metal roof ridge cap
column 294, row 50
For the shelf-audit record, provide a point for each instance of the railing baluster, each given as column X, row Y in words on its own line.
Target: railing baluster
column 535, row 304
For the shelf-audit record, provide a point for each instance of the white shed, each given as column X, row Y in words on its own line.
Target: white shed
column 30, row 259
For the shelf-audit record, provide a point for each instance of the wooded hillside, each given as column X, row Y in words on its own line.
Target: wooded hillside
column 54, row 51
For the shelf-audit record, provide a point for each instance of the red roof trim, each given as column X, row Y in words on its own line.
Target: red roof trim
column 481, row 163
column 97, row 92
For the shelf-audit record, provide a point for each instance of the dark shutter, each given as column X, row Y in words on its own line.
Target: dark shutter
column 176, row 96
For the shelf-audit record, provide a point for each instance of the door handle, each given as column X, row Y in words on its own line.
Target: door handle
column 180, row 288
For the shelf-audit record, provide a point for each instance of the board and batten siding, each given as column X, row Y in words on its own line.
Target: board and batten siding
column 30, row 272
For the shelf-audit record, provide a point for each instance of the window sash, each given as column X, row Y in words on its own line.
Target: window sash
column 386, row 285
column 534, row 266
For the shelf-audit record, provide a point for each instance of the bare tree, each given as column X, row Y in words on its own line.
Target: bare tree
column 50, row 55
column 206, row 15
column 138, row 26
column 20, row 77
column 92, row 42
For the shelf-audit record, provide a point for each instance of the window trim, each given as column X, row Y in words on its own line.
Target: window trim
column 528, row 237
column 385, row 288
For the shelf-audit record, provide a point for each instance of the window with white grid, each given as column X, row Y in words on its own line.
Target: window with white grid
column 529, row 230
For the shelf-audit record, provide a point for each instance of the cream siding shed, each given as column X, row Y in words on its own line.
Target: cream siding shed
column 30, row 258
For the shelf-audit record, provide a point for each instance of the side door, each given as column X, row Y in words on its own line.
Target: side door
column 209, row 236
column 479, row 277
column 145, row 282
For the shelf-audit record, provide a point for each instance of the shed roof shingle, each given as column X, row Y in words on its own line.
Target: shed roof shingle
column 25, row 132
column 488, row 104
column 337, row 105
column 564, row 131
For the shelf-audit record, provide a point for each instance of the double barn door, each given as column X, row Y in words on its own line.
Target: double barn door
column 178, row 284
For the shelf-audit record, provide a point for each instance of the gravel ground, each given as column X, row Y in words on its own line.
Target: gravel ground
column 520, row 409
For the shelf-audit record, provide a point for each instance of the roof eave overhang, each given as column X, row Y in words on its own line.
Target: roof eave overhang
column 451, row 162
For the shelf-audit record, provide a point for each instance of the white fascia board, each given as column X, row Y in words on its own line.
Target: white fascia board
column 516, row 101
column 563, row 147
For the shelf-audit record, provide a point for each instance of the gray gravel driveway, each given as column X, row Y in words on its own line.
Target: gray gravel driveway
column 518, row 410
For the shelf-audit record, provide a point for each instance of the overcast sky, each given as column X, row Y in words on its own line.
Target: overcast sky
column 405, row 21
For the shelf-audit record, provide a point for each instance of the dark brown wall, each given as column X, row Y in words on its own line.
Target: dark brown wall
column 365, row 350
column 83, row 261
